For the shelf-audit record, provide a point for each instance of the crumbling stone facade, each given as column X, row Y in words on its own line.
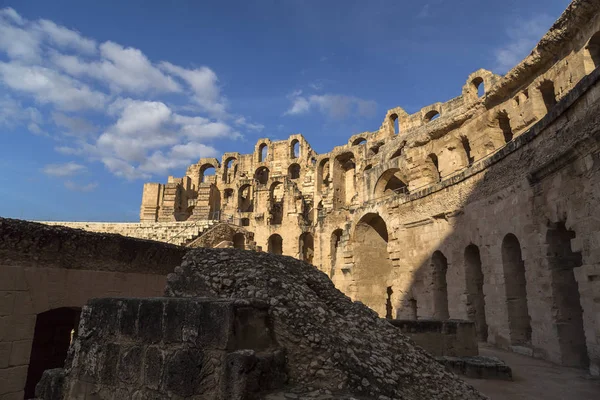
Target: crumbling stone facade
column 480, row 208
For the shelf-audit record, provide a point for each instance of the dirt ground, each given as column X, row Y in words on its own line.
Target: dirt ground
column 536, row 379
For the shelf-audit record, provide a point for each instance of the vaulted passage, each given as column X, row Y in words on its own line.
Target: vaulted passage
column 390, row 182
column 439, row 268
column 373, row 267
column 239, row 241
column 275, row 245
column 519, row 322
column 51, row 340
column 307, row 246
column 566, row 307
column 475, row 296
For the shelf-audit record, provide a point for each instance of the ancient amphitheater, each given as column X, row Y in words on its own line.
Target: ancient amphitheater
column 482, row 208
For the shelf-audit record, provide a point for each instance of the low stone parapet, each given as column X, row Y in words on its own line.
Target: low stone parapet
column 454, row 338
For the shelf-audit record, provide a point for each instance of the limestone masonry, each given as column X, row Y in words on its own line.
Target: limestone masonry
column 481, row 208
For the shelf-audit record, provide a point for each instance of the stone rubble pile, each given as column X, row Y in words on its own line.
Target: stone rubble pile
column 332, row 343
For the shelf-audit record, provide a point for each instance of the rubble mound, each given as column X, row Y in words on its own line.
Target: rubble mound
column 331, row 342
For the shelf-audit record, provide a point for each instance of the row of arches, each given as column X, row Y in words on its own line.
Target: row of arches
column 566, row 305
column 294, row 151
column 306, row 246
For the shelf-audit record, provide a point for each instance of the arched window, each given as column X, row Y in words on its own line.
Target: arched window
column 431, row 115
column 467, row 147
column 439, row 269
column 344, row 176
column 294, row 171
column 262, row 175
column 207, row 173
column 504, row 125
column 263, row 152
column 390, row 182
column 359, row 141
column 275, row 245
column 515, row 285
column 548, row 94
column 435, row 170
column 395, row 123
column 227, row 195
column 479, row 86
column 323, row 176
column 276, row 204
column 230, row 169
column 295, row 149
column 245, row 199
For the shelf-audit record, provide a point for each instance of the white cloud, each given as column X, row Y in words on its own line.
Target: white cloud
column 76, row 187
column 61, row 170
column 66, row 38
column 73, row 126
column 332, row 105
column 523, row 36
column 204, row 84
column 48, row 86
column 109, row 103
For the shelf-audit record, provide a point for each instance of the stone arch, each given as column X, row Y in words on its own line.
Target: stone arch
column 372, row 265
column 239, row 241
column 566, row 303
column 276, row 194
column 515, row 285
column 295, row 148
column 431, row 115
column 294, row 171
column 358, row 141
column 434, row 167
column 263, row 152
column 479, row 86
column 344, row 170
column 53, row 333
column 439, row 285
column 548, row 94
column 262, row 175
column 391, row 181
column 246, row 198
column 306, row 246
column 323, row 175
column 395, row 123
column 207, row 173
column 275, row 244
column 230, row 169
column 475, row 296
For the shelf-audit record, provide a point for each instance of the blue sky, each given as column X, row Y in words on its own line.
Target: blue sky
column 97, row 98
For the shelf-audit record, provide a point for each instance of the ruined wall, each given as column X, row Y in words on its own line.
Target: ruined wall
column 177, row 233
column 480, row 207
column 46, row 270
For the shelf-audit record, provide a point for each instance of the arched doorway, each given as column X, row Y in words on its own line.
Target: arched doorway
column 475, row 296
column 372, row 265
column 515, row 285
column 306, row 246
column 54, row 330
column 566, row 303
column 239, row 241
column 275, row 245
column 439, row 268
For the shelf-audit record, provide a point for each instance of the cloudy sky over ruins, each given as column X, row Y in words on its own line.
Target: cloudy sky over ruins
column 98, row 97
